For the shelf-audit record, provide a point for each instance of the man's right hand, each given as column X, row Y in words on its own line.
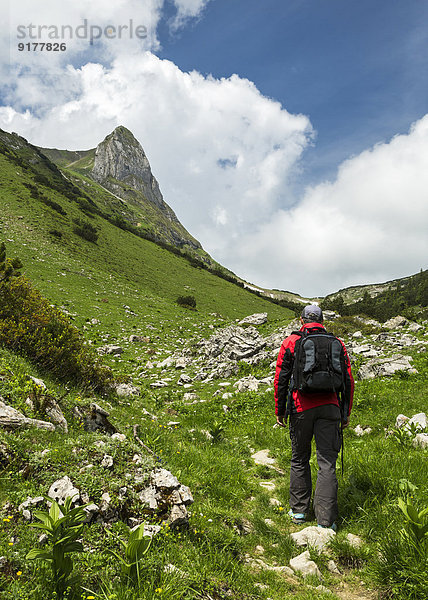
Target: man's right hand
column 280, row 421
column 345, row 423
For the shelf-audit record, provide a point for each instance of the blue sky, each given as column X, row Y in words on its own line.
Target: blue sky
column 358, row 69
column 290, row 137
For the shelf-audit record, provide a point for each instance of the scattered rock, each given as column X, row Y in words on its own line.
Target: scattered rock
column 400, row 420
column 360, row 431
column 126, row 390
column 383, row 367
column 107, row 461
column 419, row 421
column 304, row 565
column 333, row 568
column 256, row 319
column 62, row 489
column 159, row 384
column 247, row 384
column 395, row 322
column 262, row 458
column 120, row 437
column 10, row 418
column 268, row 485
column 39, row 382
column 139, row 338
column 318, row 537
column 421, row 440
column 184, row 379
column 354, row 540
column 110, row 349
column 95, row 418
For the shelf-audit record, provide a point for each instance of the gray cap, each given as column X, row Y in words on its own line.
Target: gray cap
column 313, row 312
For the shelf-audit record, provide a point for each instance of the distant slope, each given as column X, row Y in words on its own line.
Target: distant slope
column 407, row 296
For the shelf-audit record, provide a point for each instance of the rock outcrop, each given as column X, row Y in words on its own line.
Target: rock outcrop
column 121, row 157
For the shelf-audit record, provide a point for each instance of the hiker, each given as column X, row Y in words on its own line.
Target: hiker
column 314, row 387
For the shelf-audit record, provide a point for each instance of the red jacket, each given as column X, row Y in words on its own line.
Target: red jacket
column 284, row 368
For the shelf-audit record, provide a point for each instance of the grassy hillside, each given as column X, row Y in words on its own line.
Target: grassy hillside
column 72, row 271
column 407, row 296
column 237, row 544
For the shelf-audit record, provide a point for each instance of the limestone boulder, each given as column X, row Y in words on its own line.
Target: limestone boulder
column 386, row 366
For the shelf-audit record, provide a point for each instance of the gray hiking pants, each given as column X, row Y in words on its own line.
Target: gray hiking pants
column 323, row 423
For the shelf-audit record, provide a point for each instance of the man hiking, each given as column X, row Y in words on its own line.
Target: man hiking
column 314, row 387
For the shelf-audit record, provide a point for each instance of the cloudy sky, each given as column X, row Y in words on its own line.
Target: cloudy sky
column 289, row 136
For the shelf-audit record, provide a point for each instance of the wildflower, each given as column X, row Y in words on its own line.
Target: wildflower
column 10, row 543
column 19, row 573
column 158, row 590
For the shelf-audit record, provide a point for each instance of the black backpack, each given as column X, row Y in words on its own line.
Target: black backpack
column 319, row 362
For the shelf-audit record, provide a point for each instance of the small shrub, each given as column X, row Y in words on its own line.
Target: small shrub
column 134, row 551
column 187, row 301
column 54, row 205
column 63, row 526
column 85, row 230
column 31, row 326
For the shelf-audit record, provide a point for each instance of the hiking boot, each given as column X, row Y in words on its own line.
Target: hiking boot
column 297, row 518
column 332, row 526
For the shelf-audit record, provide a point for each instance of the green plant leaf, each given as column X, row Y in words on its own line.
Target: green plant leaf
column 37, row 553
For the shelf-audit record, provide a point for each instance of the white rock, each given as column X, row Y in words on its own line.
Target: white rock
column 332, row 567
column 400, row 420
column 419, row 421
column 354, row 540
column 107, row 461
column 110, row 349
column 62, row 489
column 269, row 522
column 120, row 437
column 304, row 565
column 256, row 319
column 261, row 458
column 318, row 537
column 268, row 485
column 383, row 367
column 126, row 390
column 149, row 498
column 247, row 384
column 178, row 515
column 360, row 431
column 421, row 440
column 398, row 321
column 181, row 362
column 161, row 478
column 165, row 364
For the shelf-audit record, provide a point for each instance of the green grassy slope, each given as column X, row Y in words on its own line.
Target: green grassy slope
column 120, row 267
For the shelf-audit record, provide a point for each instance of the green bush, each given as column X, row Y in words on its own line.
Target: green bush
column 31, row 326
column 187, row 301
column 85, row 230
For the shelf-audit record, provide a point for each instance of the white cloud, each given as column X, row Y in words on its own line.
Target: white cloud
column 369, row 225
column 187, row 9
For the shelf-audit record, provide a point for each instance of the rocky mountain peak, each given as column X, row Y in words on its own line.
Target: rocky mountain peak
column 121, row 158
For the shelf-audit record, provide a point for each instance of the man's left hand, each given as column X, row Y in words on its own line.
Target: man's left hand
column 280, row 421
